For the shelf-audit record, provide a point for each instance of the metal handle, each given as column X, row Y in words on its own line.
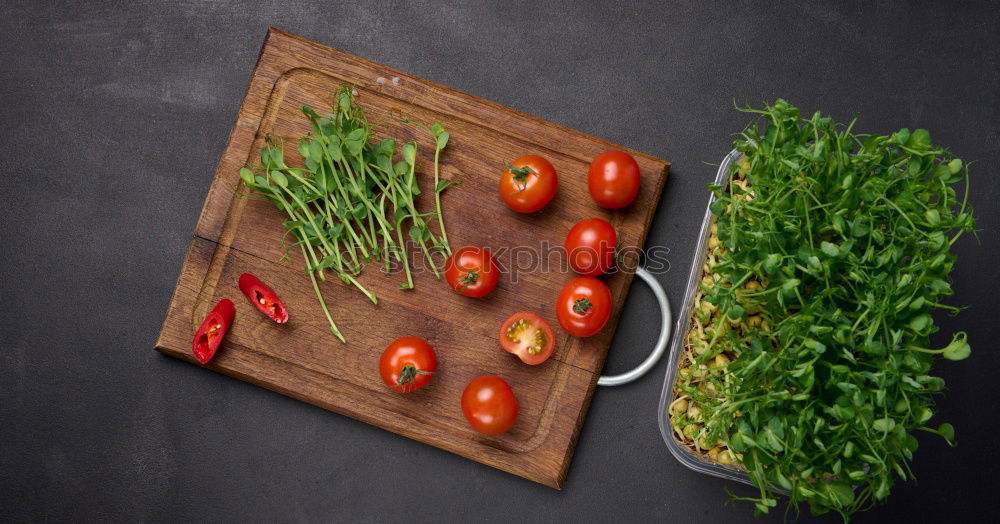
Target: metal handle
column 666, row 319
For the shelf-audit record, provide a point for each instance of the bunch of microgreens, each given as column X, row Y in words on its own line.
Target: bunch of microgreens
column 350, row 202
column 851, row 237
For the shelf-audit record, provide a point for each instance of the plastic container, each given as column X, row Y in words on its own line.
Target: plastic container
column 677, row 448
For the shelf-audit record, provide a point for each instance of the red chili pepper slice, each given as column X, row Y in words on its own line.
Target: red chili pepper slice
column 213, row 329
column 263, row 298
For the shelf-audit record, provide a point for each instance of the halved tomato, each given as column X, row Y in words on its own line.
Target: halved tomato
column 528, row 336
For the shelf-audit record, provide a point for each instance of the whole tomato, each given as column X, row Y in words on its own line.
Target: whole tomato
column 590, row 246
column 528, row 336
column 471, row 271
column 489, row 405
column 528, row 184
column 408, row 364
column 613, row 179
column 584, row 306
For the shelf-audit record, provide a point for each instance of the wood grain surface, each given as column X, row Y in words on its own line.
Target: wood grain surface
column 303, row 360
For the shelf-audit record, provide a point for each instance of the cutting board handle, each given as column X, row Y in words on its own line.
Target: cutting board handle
column 666, row 319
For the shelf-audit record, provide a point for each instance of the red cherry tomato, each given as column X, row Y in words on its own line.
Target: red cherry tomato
column 584, row 306
column 528, row 184
column 408, row 364
column 613, row 179
column 471, row 271
column 263, row 298
column 590, row 246
column 489, row 405
column 528, row 336
column 213, row 329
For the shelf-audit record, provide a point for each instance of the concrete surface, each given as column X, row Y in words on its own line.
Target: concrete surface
column 114, row 115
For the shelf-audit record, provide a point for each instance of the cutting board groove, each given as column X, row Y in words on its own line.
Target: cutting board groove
column 302, row 360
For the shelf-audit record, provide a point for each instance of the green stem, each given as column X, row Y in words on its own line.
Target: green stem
column 437, row 203
column 322, row 303
column 406, row 260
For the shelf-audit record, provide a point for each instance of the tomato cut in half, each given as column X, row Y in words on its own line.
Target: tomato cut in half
column 613, row 179
column 489, row 405
column 590, row 246
column 528, row 184
column 584, row 306
column 471, row 271
column 528, row 336
column 263, row 298
column 408, row 364
column 213, row 329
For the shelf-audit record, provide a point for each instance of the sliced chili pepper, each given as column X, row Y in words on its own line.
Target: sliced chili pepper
column 263, row 298
column 213, row 329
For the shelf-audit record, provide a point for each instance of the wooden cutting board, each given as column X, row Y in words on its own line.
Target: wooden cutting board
column 303, row 360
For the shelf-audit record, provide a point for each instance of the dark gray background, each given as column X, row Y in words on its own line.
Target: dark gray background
column 114, row 115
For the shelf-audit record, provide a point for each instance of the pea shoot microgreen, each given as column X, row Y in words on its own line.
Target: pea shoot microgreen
column 345, row 204
column 809, row 355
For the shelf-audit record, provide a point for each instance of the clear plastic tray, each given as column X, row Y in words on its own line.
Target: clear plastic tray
column 680, row 451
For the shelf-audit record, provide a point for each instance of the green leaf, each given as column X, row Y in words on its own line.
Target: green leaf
column 400, row 214
column 445, row 184
column 770, row 264
column 838, row 492
column 737, row 444
column 859, row 229
column 955, row 166
column 277, row 158
column 333, row 149
column 948, row 432
column 958, row 349
column 920, row 139
column 933, row 217
column 279, row 178
column 418, row 233
column 920, row 322
column 247, row 176
column 736, row 312
column 815, row 345
column 410, row 153
column 315, row 150
column 829, row 249
column 442, row 140
column 884, row 425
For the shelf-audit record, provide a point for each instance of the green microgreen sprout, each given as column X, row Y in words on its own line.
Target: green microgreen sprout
column 807, row 360
column 339, row 205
